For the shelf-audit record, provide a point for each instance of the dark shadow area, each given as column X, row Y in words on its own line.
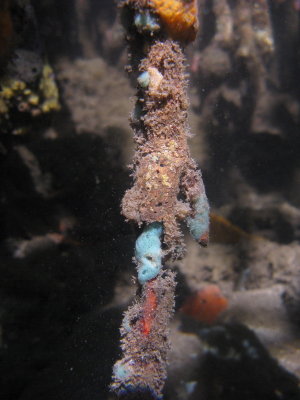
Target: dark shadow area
column 63, row 243
column 236, row 365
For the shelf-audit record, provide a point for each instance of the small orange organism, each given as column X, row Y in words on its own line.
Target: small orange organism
column 223, row 231
column 149, row 310
column 205, row 305
column 179, row 17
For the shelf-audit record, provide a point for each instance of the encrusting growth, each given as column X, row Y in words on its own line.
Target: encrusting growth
column 145, row 343
column 167, row 189
column 167, row 184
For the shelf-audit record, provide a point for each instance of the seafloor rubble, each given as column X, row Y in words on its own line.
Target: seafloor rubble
column 66, row 252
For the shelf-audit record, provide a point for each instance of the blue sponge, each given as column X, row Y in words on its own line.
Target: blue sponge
column 199, row 224
column 148, row 252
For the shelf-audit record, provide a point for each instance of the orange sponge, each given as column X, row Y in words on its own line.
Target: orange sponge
column 179, row 17
column 206, row 305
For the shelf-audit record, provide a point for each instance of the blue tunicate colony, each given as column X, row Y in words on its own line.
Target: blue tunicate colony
column 146, row 22
column 199, row 223
column 148, row 252
column 144, row 79
column 122, row 371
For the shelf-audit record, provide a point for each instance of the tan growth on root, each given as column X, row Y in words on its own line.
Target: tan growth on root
column 166, row 179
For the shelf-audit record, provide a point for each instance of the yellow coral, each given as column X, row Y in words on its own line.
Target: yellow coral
column 6, row 93
column 34, row 100
column 49, row 90
column 18, row 85
column 179, row 17
column 3, row 106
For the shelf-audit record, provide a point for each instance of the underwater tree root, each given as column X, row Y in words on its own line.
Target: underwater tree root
column 167, row 187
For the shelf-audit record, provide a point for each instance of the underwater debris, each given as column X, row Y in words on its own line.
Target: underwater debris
column 41, row 181
column 24, row 248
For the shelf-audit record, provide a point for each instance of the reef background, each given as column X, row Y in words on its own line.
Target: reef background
column 66, row 251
